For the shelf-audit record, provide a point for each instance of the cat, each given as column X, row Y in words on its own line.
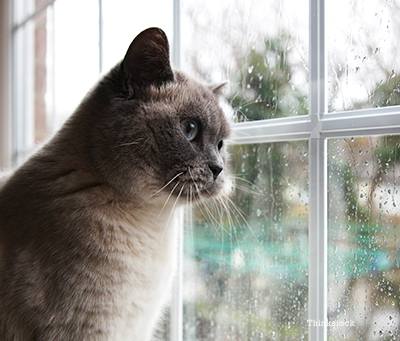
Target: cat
column 88, row 239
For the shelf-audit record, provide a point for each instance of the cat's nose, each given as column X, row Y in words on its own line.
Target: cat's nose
column 215, row 168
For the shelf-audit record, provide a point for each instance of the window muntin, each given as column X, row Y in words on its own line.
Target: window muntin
column 363, row 54
column 261, row 47
column 363, row 237
column 30, row 108
column 25, row 9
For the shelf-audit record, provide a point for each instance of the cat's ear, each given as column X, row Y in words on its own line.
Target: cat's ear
column 147, row 60
column 218, row 89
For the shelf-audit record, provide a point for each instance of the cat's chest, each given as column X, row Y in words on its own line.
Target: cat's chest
column 131, row 272
column 143, row 266
column 141, row 258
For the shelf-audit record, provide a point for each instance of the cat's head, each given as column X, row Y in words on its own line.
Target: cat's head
column 164, row 134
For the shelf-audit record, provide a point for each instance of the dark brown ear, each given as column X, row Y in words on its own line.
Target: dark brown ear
column 147, row 60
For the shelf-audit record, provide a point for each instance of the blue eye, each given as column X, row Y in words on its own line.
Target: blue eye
column 190, row 129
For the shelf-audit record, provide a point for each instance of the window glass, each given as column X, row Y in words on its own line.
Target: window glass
column 123, row 20
column 260, row 46
column 56, row 61
column 364, row 227
column 363, row 54
column 246, row 256
column 76, row 54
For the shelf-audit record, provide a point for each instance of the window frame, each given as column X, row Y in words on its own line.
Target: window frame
column 316, row 127
column 5, row 83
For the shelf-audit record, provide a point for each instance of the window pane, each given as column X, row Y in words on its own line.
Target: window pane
column 76, row 54
column 246, row 258
column 364, row 71
column 364, row 222
column 260, row 46
column 55, row 64
column 123, row 20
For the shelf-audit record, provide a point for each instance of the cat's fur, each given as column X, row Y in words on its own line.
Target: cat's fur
column 87, row 235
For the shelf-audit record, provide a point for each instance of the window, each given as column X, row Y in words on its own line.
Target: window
column 307, row 246
column 55, row 62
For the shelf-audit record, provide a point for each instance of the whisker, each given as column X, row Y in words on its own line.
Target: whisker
column 166, row 201
column 231, row 217
column 153, row 195
column 247, row 181
column 242, row 216
column 234, row 221
column 209, row 214
column 129, row 143
column 191, row 215
column 247, row 190
column 218, row 223
column 194, row 182
column 230, row 230
column 172, row 211
column 228, row 215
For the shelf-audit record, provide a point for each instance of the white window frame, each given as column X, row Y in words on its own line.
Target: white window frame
column 316, row 127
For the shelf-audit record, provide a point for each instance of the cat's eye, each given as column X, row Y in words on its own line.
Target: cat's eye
column 190, row 129
column 220, row 144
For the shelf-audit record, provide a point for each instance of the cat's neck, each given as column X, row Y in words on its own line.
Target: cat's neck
column 157, row 218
